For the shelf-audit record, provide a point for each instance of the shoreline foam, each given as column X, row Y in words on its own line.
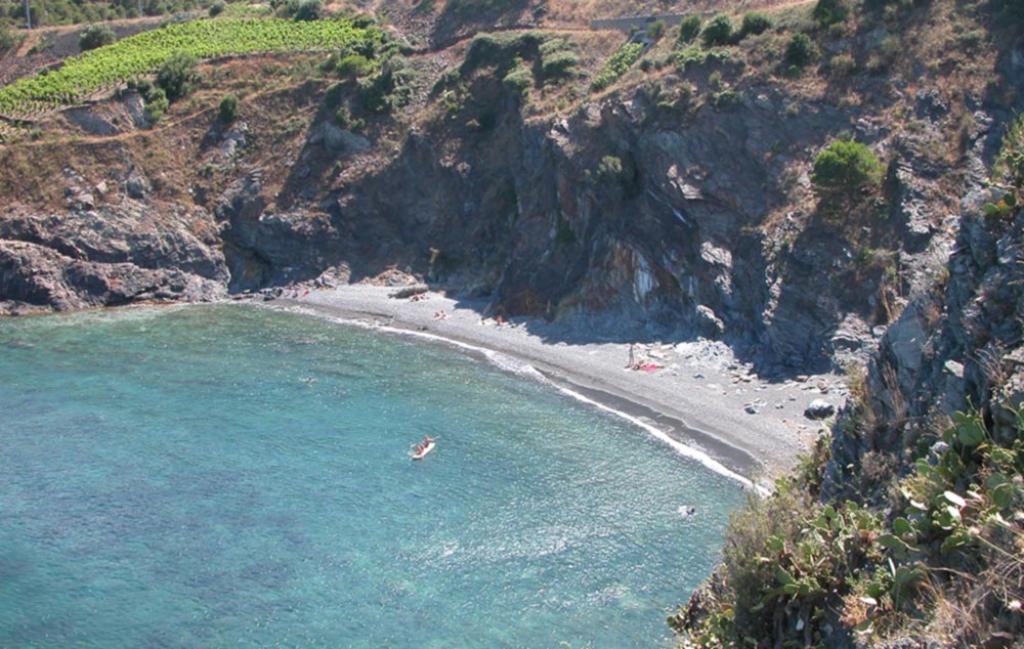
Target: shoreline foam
column 522, row 368
column 694, row 416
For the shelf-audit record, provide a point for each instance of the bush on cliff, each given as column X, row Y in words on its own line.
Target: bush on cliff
column 156, row 104
column 830, row 12
column 95, row 36
column 844, row 168
column 389, row 89
column 754, row 23
column 227, row 112
column 177, row 77
column 942, row 562
column 800, row 50
column 689, row 29
column 1009, row 167
column 718, row 31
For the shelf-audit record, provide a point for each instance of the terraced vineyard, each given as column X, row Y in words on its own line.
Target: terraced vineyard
column 106, row 67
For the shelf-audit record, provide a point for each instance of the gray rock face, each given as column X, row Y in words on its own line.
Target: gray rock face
column 31, row 274
column 690, row 239
column 950, row 349
column 109, row 255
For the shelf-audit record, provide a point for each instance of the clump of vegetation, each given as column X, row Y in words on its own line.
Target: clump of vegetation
column 353, row 66
column 618, row 174
column 696, row 55
column 145, row 52
column 154, row 100
column 390, row 88
column 689, row 29
column 617, row 65
column 308, row 10
column 521, row 61
column 177, row 76
column 754, row 23
column 718, row 31
column 9, row 38
column 800, row 50
column 558, row 60
column 519, row 79
column 830, row 12
column 842, row 65
column 1008, row 171
column 95, row 36
column 227, row 112
column 1009, row 166
column 802, row 572
column 845, row 168
column 656, row 30
column 343, row 116
column 487, row 49
column 304, row 10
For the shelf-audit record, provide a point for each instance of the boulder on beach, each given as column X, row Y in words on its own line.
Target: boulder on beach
column 819, row 409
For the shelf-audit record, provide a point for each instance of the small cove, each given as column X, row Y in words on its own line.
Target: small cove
column 232, row 476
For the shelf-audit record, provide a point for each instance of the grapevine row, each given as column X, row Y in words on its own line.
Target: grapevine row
column 85, row 74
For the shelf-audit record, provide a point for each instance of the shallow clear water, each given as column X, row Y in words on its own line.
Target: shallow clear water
column 233, row 477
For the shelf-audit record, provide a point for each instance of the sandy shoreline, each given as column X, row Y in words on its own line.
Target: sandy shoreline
column 701, row 397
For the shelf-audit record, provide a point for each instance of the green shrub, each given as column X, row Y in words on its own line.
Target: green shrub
column 1009, row 166
column 353, row 66
column 689, row 28
column 618, row 175
column 718, row 31
column 486, row 49
column 390, row 88
column 228, row 111
column 842, row 65
column 343, row 116
column 845, row 167
column 9, row 38
column 308, row 10
column 217, row 8
column 156, row 104
column 829, row 12
column 656, row 30
column 801, row 50
column 95, row 36
column 560, row 65
column 617, row 65
column 755, row 22
column 177, row 76
column 610, row 168
column 519, row 79
column 558, row 60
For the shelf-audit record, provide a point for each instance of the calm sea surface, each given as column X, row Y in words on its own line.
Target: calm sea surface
column 227, row 476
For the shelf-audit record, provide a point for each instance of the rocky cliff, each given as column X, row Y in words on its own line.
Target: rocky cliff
column 703, row 223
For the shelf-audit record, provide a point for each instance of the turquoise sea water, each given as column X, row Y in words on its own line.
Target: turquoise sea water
column 233, row 477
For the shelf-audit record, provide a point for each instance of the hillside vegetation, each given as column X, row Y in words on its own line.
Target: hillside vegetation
column 137, row 55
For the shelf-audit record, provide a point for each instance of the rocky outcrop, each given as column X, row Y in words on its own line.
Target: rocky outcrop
column 31, row 274
column 644, row 216
column 107, row 255
column 954, row 347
